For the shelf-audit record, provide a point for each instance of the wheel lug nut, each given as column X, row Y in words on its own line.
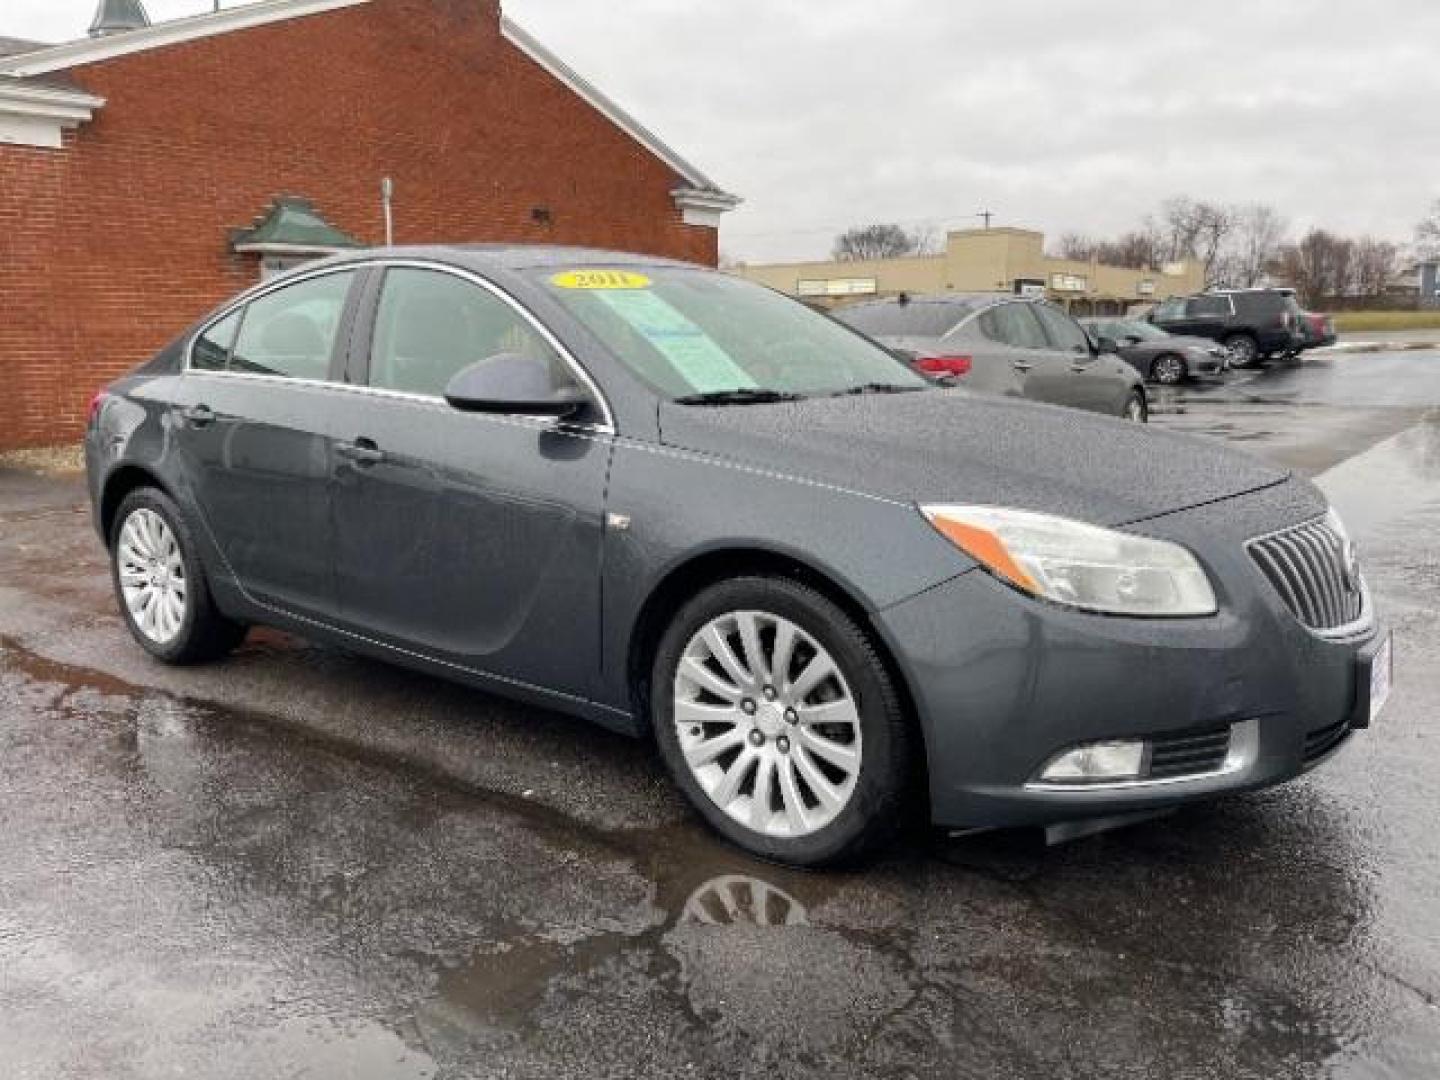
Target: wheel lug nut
column 791, row 716
column 757, row 739
column 747, row 707
column 782, row 744
column 769, row 693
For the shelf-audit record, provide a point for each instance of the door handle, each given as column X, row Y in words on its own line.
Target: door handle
column 363, row 452
column 1080, row 366
column 198, row 416
column 1021, row 366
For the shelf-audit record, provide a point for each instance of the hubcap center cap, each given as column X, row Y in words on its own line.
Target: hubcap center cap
column 770, row 718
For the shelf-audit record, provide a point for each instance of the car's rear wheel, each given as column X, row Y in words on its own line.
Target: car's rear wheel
column 161, row 587
column 1168, row 370
column 1137, row 408
column 1242, row 350
column 780, row 722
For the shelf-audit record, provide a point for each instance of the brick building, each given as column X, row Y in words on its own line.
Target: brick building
column 149, row 171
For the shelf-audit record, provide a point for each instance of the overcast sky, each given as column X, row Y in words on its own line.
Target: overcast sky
column 1054, row 114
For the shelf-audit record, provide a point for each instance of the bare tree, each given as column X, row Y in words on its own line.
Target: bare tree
column 1427, row 234
column 879, row 241
column 1196, row 230
column 1259, row 232
column 1140, row 248
column 925, row 240
column 1214, row 225
column 1374, row 263
column 1078, row 247
column 1318, row 266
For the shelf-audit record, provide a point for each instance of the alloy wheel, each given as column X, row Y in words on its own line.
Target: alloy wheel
column 767, row 724
column 1168, row 370
column 1241, row 350
column 152, row 576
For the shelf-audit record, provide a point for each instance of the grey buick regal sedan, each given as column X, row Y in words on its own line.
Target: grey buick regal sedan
column 693, row 510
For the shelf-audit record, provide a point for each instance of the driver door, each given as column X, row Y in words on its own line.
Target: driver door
column 471, row 538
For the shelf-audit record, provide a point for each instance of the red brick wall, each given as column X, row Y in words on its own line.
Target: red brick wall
column 114, row 244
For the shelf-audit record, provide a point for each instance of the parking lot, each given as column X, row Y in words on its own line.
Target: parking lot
column 301, row 863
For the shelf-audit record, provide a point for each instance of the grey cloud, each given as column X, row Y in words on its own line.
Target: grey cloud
column 1057, row 115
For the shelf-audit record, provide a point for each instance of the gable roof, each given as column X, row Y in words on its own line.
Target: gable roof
column 700, row 190
column 10, row 46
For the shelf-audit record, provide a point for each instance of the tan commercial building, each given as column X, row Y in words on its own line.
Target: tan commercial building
column 985, row 260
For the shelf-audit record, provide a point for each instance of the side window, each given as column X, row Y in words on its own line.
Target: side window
column 1013, row 324
column 211, row 351
column 1065, row 334
column 1170, row 311
column 431, row 325
column 291, row 332
column 1209, row 307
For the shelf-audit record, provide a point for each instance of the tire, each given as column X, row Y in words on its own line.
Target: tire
column 870, row 738
column 1169, row 369
column 1137, row 408
column 1244, row 350
column 153, row 550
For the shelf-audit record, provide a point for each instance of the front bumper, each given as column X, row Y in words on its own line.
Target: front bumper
column 1205, row 362
column 1003, row 683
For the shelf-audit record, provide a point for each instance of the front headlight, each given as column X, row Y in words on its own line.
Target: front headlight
column 1078, row 565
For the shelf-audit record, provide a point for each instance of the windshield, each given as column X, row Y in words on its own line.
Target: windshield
column 691, row 333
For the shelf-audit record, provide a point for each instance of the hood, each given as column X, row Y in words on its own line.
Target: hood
column 959, row 447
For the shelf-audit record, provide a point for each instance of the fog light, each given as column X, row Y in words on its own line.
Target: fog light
column 1097, row 762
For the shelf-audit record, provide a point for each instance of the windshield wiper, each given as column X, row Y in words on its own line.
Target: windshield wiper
column 877, row 388
column 745, row 395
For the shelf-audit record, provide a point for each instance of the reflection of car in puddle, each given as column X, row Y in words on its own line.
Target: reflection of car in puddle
column 739, row 899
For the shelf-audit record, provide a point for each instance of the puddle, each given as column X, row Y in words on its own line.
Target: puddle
column 327, row 909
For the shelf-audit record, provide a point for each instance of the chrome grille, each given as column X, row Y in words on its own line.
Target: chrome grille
column 1313, row 569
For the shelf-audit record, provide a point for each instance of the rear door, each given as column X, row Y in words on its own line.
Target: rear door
column 250, row 424
column 470, row 538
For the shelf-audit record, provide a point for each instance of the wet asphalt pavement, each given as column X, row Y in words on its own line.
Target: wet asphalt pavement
column 303, row 864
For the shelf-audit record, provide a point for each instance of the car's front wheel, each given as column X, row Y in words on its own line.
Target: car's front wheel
column 161, row 587
column 780, row 722
column 1168, row 370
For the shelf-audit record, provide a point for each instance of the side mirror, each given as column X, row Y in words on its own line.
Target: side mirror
column 511, row 383
column 1107, row 345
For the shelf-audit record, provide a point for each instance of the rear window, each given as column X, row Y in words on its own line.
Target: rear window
column 919, row 319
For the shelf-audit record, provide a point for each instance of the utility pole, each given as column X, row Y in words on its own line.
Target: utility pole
column 986, row 215
column 387, row 198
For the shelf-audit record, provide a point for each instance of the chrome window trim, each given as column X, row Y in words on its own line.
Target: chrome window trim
column 259, row 292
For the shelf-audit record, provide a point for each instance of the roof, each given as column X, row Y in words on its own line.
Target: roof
column 698, row 190
column 291, row 224
column 968, row 298
column 10, row 46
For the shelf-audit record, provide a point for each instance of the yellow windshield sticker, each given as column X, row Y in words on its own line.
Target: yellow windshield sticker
column 604, row 280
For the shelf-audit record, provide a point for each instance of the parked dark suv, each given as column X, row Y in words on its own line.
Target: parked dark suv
column 1252, row 324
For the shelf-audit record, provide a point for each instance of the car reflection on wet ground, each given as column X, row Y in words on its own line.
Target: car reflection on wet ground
column 303, row 863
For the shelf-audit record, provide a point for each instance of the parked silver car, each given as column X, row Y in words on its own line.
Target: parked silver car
column 1002, row 344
